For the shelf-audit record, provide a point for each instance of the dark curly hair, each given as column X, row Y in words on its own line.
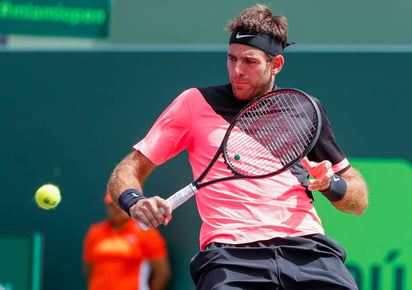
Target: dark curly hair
column 259, row 19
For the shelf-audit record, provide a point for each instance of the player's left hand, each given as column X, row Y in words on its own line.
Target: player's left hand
column 320, row 171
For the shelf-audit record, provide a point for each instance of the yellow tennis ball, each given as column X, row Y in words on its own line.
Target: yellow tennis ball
column 47, row 196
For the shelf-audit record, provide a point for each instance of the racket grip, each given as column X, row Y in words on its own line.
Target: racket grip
column 177, row 199
column 181, row 196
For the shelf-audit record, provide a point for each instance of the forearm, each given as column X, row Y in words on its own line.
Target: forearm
column 161, row 274
column 129, row 173
column 158, row 282
column 355, row 199
column 87, row 269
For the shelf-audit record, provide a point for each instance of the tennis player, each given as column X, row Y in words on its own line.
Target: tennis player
column 256, row 233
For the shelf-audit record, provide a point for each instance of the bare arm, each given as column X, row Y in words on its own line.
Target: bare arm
column 160, row 274
column 131, row 172
column 87, row 269
column 355, row 199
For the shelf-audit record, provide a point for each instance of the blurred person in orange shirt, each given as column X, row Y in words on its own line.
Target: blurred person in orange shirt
column 115, row 250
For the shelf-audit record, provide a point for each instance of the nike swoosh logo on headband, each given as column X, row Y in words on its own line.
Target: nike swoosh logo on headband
column 238, row 35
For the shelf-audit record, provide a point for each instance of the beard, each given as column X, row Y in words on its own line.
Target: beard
column 252, row 90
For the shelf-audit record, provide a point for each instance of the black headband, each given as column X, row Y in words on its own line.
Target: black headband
column 259, row 40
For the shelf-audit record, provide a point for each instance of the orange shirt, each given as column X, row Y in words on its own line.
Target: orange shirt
column 118, row 255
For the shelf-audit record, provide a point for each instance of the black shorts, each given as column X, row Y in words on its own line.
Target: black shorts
column 312, row 262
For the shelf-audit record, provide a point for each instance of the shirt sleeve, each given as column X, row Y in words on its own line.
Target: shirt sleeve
column 170, row 134
column 326, row 148
column 153, row 245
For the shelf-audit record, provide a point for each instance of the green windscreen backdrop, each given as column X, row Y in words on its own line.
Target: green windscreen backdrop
column 379, row 244
column 69, row 116
column 349, row 22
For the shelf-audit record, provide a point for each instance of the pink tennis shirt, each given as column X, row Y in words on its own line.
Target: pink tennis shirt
column 235, row 211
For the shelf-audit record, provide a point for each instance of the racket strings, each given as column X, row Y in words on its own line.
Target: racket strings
column 272, row 133
column 301, row 124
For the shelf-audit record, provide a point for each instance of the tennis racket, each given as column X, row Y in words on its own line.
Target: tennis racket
column 269, row 135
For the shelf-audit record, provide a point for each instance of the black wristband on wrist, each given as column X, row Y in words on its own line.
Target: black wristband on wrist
column 337, row 188
column 128, row 198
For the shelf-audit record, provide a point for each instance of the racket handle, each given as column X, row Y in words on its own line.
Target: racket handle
column 177, row 199
column 181, row 196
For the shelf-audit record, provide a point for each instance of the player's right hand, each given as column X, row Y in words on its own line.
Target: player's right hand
column 151, row 211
